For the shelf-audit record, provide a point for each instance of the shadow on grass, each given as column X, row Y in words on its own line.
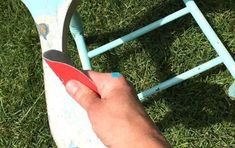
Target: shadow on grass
column 193, row 104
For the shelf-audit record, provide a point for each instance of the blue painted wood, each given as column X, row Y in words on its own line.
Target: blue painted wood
column 211, row 36
column 43, row 7
column 138, row 32
column 76, row 29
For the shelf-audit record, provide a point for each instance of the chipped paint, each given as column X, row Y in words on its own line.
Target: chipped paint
column 43, row 30
column 72, row 145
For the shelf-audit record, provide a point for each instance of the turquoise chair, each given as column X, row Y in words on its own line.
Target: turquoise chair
column 69, row 124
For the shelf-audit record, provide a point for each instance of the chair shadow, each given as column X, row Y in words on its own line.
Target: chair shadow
column 193, row 104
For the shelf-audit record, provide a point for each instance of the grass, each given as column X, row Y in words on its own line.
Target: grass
column 196, row 113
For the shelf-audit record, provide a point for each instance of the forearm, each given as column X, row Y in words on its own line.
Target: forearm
column 144, row 142
column 151, row 139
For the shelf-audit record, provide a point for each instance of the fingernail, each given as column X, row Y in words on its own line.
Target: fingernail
column 72, row 87
column 116, row 74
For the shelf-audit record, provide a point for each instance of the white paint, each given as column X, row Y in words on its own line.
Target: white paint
column 68, row 121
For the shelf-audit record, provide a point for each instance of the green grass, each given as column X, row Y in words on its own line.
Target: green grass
column 196, row 113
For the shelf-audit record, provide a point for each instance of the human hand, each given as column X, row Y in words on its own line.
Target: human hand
column 117, row 116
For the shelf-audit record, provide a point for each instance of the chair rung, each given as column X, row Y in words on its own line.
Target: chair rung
column 180, row 78
column 138, row 32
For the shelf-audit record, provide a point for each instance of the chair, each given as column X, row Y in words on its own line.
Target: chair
column 69, row 123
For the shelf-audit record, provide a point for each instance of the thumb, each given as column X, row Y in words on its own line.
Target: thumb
column 82, row 94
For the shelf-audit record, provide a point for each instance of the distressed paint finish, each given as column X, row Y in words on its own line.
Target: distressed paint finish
column 44, row 7
column 43, row 30
column 68, row 121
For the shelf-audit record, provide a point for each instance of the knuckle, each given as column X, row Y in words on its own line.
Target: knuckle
column 82, row 96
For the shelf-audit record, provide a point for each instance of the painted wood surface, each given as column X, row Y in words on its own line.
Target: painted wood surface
column 68, row 121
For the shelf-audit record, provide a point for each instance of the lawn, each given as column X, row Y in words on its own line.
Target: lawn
column 196, row 113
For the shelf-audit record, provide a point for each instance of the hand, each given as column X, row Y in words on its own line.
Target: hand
column 117, row 116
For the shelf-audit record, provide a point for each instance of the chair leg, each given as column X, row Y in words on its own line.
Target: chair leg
column 231, row 91
column 76, row 29
column 214, row 40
